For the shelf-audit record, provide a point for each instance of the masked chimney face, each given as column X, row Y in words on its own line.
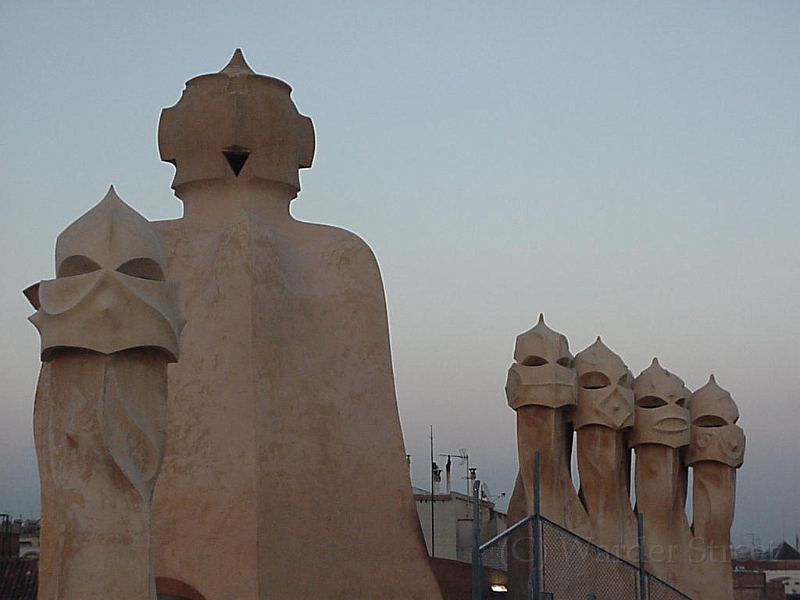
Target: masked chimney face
column 542, row 372
column 605, row 389
column 661, row 416
column 714, row 433
column 233, row 125
column 109, row 293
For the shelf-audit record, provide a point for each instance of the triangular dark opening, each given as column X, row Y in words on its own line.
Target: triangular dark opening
column 236, row 160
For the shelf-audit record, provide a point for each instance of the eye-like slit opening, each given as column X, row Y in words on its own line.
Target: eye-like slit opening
column 77, row 264
column 534, row 361
column 143, row 268
column 651, row 402
column 710, row 421
column 594, row 380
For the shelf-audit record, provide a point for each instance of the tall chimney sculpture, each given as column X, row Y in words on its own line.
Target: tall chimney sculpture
column 285, row 461
column 602, row 419
column 540, row 387
column 715, row 451
column 109, row 324
column 660, row 434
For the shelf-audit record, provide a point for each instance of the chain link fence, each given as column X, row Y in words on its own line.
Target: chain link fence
column 572, row 568
column 659, row 590
column 575, row 568
column 544, row 561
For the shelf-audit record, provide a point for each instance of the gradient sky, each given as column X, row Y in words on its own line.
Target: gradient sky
column 629, row 169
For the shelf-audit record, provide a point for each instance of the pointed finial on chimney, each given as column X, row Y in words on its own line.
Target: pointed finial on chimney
column 237, row 65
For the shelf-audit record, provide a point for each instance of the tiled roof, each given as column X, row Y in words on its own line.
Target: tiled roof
column 785, row 552
column 19, row 578
column 752, row 564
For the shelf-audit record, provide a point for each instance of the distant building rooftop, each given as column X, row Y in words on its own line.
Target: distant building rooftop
column 19, row 578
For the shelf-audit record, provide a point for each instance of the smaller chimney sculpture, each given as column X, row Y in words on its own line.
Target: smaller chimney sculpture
column 660, row 432
column 109, row 324
column 716, row 450
column 603, row 418
column 541, row 389
column 616, row 417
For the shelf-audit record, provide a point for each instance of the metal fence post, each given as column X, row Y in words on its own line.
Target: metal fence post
column 477, row 584
column 535, row 581
column 642, row 572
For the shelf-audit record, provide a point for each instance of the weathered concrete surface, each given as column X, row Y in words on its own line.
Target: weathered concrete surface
column 99, row 424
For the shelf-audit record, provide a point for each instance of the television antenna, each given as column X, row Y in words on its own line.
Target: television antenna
column 486, row 493
column 463, row 459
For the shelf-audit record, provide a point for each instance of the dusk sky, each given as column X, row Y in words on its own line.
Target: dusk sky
column 629, row 169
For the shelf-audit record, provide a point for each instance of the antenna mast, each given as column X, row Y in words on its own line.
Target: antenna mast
column 433, row 500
